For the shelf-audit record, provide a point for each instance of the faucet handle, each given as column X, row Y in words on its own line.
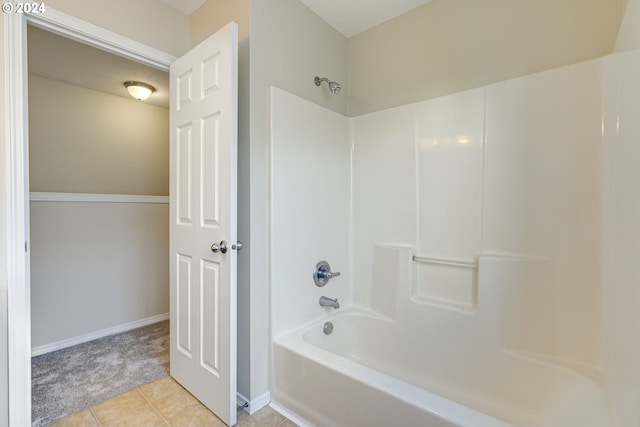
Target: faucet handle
column 322, row 273
column 327, row 274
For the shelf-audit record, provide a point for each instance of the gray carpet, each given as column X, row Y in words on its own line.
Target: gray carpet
column 73, row 379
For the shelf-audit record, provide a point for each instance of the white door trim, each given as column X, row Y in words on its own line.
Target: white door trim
column 18, row 295
column 17, row 175
column 85, row 32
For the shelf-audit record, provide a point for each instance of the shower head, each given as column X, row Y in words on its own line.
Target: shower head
column 334, row 87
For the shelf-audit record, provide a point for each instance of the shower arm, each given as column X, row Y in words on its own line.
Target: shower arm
column 318, row 81
column 334, row 87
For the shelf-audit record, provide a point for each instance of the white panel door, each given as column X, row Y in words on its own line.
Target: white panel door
column 203, row 194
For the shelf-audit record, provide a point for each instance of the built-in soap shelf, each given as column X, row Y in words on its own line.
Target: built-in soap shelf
column 445, row 282
column 446, row 262
column 456, row 284
column 401, row 276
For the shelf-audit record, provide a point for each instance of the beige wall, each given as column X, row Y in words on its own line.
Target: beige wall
column 151, row 22
column 215, row 14
column 290, row 45
column 104, row 263
column 447, row 46
column 83, row 141
column 629, row 35
column 95, row 266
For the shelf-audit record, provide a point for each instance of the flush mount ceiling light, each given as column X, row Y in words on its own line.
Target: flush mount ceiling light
column 138, row 90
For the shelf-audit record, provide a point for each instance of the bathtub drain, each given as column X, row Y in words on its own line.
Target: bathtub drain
column 327, row 328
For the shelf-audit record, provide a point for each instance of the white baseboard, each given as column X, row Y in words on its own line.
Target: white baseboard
column 58, row 345
column 290, row 415
column 255, row 404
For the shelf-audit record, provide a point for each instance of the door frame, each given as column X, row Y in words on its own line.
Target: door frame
column 17, row 187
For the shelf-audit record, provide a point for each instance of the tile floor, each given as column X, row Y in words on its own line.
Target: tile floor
column 164, row 403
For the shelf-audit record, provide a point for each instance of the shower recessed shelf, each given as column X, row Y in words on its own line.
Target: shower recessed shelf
column 447, row 262
column 446, row 283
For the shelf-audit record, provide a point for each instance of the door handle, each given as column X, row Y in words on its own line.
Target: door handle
column 220, row 247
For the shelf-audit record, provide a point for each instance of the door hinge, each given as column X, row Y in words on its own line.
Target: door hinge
column 25, row 246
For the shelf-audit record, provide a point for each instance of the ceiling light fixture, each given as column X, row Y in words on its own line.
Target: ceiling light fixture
column 140, row 91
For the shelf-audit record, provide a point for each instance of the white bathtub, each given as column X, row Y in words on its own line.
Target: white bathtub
column 375, row 372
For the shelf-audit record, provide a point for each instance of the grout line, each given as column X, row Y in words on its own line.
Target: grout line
column 115, row 397
column 144, row 395
column 153, row 406
column 95, row 416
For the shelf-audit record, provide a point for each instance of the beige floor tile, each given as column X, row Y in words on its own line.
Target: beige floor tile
column 195, row 415
column 128, row 409
column 265, row 417
column 142, row 416
column 81, row 419
column 165, row 403
column 160, row 388
column 128, row 400
column 175, row 403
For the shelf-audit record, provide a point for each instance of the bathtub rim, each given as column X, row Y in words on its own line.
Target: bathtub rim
column 440, row 407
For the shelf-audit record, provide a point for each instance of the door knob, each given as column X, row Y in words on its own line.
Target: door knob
column 220, row 247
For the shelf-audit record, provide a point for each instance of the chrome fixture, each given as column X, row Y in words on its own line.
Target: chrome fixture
column 327, row 328
column 222, row 247
column 334, row 87
column 322, row 273
column 329, row 302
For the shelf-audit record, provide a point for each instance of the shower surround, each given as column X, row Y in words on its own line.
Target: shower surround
column 480, row 238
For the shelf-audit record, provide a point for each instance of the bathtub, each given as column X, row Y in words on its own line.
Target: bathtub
column 376, row 372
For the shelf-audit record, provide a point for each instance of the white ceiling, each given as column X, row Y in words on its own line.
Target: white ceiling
column 351, row 17
column 185, row 6
column 65, row 60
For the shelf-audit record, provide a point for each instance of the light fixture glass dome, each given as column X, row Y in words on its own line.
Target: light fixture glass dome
column 138, row 90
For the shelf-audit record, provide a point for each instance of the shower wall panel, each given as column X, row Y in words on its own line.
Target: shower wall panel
column 449, row 155
column 512, row 171
column 543, row 193
column 384, row 189
column 622, row 237
column 310, row 208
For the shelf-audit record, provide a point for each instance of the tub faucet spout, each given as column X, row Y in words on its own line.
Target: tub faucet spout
column 329, row 302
